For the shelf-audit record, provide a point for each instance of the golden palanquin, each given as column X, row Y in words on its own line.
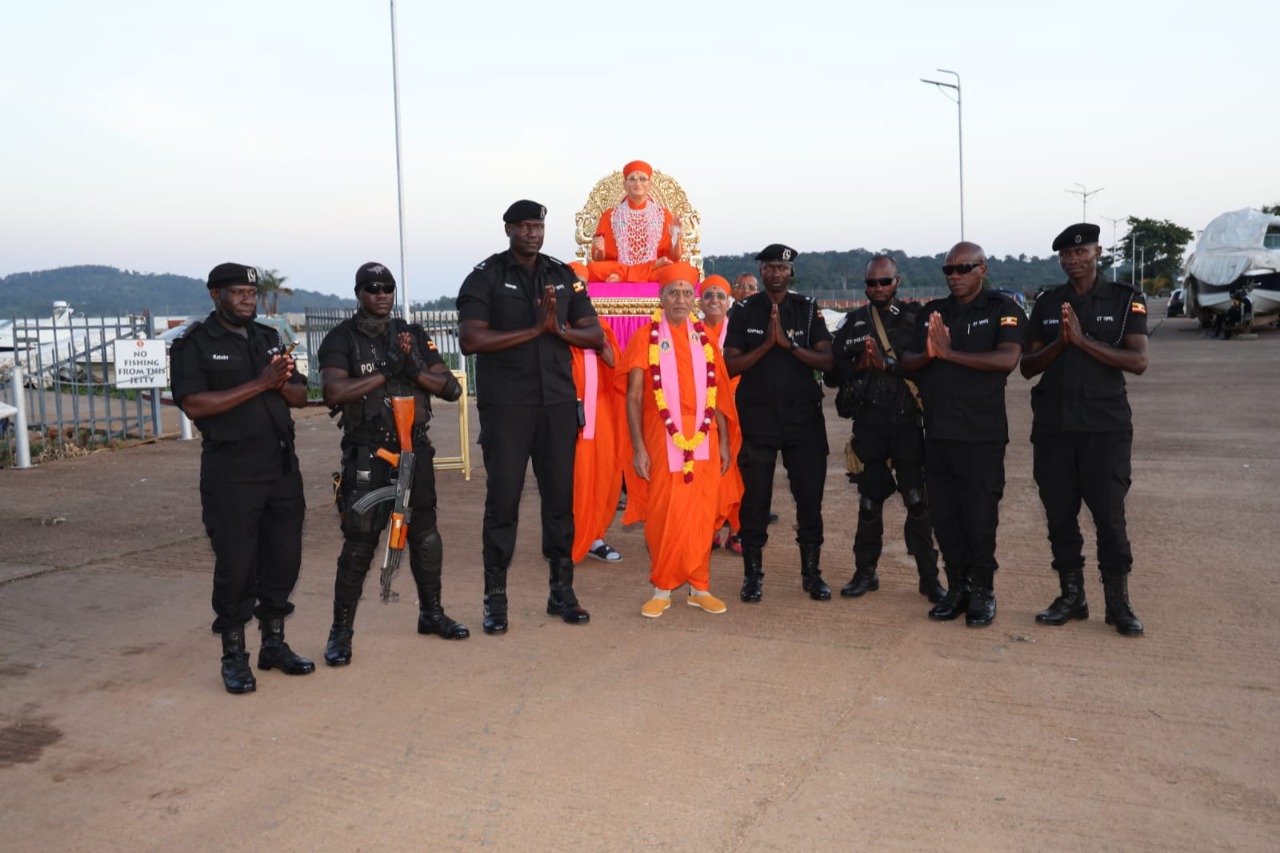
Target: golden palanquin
column 626, row 304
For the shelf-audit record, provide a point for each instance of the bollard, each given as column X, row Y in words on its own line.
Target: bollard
column 20, row 419
column 186, row 425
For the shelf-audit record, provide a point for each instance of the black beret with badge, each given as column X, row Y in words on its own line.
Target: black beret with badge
column 374, row 273
column 524, row 210
column 777, row 252
column 1080, row 234
column 231, row 275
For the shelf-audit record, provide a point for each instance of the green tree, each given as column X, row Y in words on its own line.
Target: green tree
column 270, row 282
column 1160, row 246
column 1273, row 209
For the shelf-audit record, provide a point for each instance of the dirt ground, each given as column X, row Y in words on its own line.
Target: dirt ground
column 792, row 724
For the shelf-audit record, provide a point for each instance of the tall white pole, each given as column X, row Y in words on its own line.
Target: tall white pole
column 21, row 436
column 960, row 132
column 1113, row 242
column 395, row 93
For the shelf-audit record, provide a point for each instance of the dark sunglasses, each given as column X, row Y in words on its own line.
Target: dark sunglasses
column 962, row 269
column 378, row 287
column 881, row 282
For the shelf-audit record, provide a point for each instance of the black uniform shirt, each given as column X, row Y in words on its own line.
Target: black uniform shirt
column 1078, row 393
column 960, row 403
column 254, row 441
column 885, row 396
column 780, row 389
column 347, row 348
column 504, row 293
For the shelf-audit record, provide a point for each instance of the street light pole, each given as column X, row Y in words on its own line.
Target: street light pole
column 1084, row 198
column 1113, row 242
column 960, row 131
column 395, row 95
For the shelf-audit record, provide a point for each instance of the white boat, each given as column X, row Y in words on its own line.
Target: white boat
column 1235, row 271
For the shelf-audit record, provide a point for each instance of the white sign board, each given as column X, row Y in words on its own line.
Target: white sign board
column 140, row 364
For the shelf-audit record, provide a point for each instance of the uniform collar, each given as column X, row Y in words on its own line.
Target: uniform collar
column 214, row 327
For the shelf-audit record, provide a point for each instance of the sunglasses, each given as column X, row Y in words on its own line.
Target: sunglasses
column 962, row 269
column 880, row 282
column 715, row 294
column 378, row 287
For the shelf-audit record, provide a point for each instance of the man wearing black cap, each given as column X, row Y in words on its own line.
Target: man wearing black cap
column 520, row 311
column 886, row 428
column 364, row 362
column 775, row 341
column 964, row 348
column 231, row 377
column 1084, row 336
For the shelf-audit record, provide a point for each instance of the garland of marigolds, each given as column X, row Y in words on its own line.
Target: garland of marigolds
column 685, row 445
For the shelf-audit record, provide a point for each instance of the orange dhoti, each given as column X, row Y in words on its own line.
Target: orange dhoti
column 597, row 469
column 677, row 512
column 634, row 239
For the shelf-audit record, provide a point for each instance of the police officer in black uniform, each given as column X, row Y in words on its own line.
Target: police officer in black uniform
column 520, row 311
column 364, row 362
column 886, row 426
column 965, row 347
column 776, row 340
column 231, row 377
column 1083, row 337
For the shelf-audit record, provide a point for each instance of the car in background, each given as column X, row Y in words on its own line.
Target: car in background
column 1016, row 296
column 1177, row 303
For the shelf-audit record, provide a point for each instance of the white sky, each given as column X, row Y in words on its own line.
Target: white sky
column 170, row 136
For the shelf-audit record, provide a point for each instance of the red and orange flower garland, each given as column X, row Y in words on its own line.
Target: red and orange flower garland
column 685, row 445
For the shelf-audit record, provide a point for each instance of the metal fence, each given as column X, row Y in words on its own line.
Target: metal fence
column 442, row 326
column 68, row 376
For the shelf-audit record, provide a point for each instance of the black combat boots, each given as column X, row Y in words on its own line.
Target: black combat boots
column 236, row 675
column 752, row 575
column 562, row 601
column 811, row 573
column 425, row 559
column 955, row 602
column 275, row 652
column 1070, row 604
column 495, row 600
column 337, row 652
column 1119, row 613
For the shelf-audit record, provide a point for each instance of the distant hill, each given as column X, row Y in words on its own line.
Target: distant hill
column 99, row 291
column 829, row 271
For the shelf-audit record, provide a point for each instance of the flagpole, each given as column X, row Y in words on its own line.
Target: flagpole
column 395, row 93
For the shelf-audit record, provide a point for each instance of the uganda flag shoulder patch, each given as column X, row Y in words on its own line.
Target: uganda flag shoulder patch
column 578, row 287
column 1138, row 308
column 431, row 345
column 1008, row 321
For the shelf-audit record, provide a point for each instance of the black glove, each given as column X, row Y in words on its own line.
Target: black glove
column 413, row 364
column 395, row 361
column 452, row 390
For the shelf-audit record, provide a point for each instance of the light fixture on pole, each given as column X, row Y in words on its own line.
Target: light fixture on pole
column 1113, row 222
column 1084, row 198
column 395, row 96
column 960, row 127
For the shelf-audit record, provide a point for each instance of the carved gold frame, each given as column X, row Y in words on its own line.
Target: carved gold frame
column 663, row 189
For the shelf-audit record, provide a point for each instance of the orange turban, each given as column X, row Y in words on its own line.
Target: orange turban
column 678, row 271
column 579, row 269
column 716, row 281
column 637, row 166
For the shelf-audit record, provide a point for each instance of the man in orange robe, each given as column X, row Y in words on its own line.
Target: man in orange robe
column 675, row 490
column 597, row 474
column 636, row 236
column 715, row 305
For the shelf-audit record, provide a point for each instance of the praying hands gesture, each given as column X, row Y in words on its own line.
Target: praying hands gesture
column 1072, row 331
column 871, row 358
column 938, row 343
column 776, row 336
column 547, row 315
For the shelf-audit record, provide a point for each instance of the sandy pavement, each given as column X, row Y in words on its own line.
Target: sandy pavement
column 792, row 724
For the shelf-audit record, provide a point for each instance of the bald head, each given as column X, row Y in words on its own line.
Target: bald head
column 966, row 253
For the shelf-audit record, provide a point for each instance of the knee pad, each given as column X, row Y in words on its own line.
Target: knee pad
column 869, row 510
column 915, row 502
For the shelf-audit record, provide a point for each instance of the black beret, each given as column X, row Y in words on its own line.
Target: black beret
column 524, row 210
column 777, row 252
column 229, row 275
column 373, row 273
column 1076, row 235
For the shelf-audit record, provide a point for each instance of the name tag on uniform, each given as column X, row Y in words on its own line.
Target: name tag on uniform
column 751, row 331
column 509, row 285
column 220, row 357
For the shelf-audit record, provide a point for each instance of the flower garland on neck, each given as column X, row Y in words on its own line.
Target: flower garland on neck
column 685, row 445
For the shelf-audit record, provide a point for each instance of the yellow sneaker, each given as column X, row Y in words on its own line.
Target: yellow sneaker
column 655, row 607
column 708, row 602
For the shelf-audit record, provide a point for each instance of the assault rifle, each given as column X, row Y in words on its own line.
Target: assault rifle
column 402, row 409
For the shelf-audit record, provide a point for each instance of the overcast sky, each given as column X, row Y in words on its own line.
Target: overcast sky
column 170, row 136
